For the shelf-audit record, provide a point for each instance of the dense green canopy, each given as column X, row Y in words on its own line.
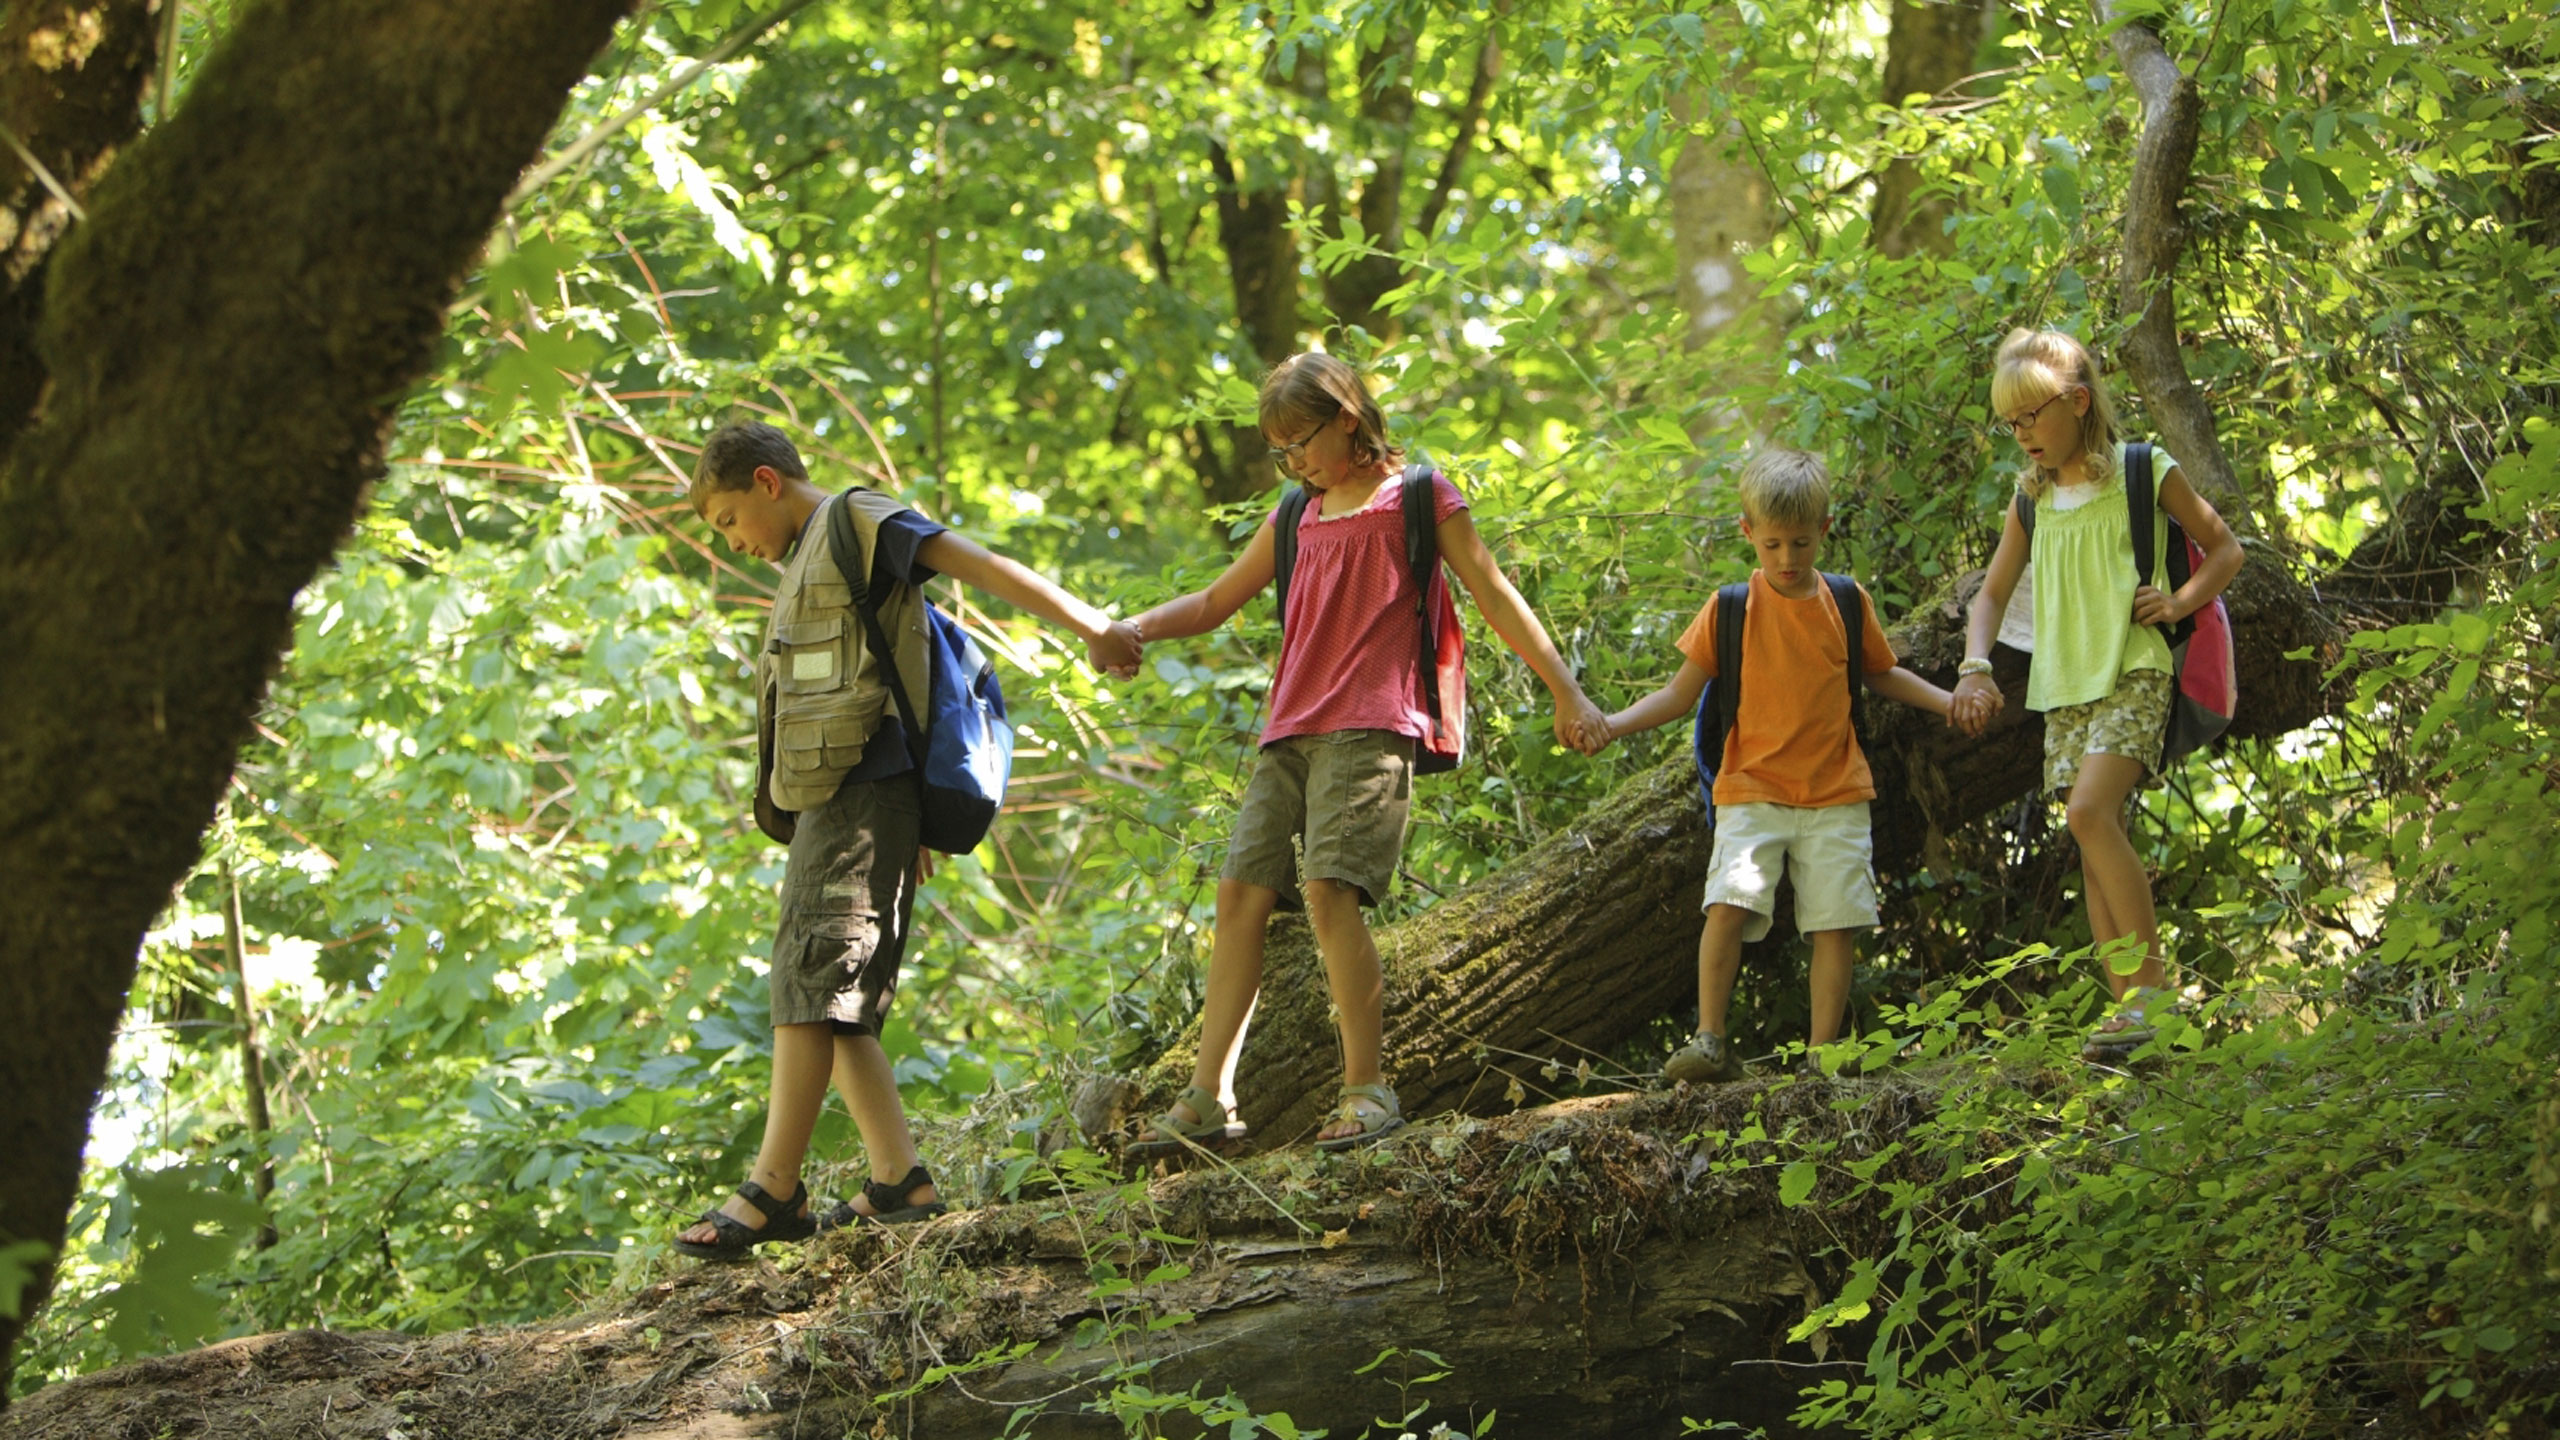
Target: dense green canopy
column 488, row 866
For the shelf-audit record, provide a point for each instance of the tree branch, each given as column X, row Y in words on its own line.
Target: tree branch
column 1463, row 142
column 2155, row 234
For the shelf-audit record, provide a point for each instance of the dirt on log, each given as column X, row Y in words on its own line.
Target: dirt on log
column 1605, row 1266
column 1584, row 941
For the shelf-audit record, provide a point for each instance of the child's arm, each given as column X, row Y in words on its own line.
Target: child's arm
column 1579, row 723
column 2221, row 549
column 1677, row 697
column 1901, row 685
column 1977, row 696
column 1111, row 645
column 1202, row 611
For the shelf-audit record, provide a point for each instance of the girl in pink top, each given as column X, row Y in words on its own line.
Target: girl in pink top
column 1334, row 778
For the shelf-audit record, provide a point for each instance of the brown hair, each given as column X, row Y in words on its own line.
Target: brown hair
column 1785, row 487
column 731, row 456
column 2033, row 367
column 1312, row 388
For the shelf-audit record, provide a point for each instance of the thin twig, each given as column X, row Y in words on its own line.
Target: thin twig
column 43, row 175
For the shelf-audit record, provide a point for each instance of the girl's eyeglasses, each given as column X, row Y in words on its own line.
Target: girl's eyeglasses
column 2019, row 426
column 1288, row 454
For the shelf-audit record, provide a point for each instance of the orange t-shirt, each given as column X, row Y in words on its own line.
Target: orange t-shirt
column 1792, row 742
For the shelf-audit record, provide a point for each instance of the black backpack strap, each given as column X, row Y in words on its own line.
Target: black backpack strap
column 842, row 541
column 1733, row 606
column 2025, row 507
column 1853, row 621
column 1284, row 546
column 2141, row 501
column 1422, row 561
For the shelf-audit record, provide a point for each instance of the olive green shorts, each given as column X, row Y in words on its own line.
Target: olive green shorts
column 848, row 891
column 1340, row 799
column 2128, row 721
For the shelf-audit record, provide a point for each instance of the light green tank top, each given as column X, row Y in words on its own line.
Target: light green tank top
column 2083, row 560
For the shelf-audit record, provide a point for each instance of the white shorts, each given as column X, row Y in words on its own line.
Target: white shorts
column 1828, row 850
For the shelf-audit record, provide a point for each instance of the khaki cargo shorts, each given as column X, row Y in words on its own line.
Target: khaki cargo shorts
column 847, row 893
column 2127, row 721
column 1342, row 799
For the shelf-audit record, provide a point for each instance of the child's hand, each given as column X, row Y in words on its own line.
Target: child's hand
column 1580, row 724
column 1976, row 704
column 1116, row 651
column 2150, row 607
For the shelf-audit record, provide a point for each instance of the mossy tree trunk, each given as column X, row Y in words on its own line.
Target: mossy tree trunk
column 217, row 353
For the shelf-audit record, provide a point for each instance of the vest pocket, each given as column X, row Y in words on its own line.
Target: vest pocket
column 809, row 656
column 825, row 742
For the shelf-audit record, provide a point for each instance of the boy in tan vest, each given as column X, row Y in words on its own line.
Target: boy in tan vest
column 835, row 779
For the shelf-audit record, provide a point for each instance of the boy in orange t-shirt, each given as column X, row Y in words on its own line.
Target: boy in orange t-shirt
column 1791, row 795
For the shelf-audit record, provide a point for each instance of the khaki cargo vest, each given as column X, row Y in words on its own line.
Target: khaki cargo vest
column 819, row 693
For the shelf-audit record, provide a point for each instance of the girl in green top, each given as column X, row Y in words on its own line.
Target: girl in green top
column 2100, row 671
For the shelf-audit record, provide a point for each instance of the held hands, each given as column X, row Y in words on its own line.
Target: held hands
column 1116, row 650
column 1582, row 725
column 2151, row 607
column 1976, row 704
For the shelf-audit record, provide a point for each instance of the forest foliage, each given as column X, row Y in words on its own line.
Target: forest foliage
column 500, row 913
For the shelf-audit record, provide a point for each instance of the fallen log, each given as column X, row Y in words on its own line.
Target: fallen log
column 1586, row 1269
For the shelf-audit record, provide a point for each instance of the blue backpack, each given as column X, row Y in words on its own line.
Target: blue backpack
column 963, row 751
column 1721, row 701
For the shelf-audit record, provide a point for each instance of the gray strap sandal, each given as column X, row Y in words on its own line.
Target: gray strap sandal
column 1375, row 1125
column 1170, row 1134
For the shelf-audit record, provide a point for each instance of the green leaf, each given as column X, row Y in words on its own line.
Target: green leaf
column 1796, row 1182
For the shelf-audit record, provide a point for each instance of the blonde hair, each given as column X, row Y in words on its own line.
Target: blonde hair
column 2033, row 367
column 1785, row 487
column 1310, row 389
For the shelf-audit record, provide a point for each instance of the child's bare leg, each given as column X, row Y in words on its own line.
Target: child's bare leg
column 1358, row 983
column 1235, row 981
column 1719, row 964
column 1835, row 957
column 869, row 1085
column 2118, row 888
column 802, row 1056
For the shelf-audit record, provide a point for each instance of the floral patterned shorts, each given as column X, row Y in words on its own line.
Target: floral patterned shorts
column 2128, row 721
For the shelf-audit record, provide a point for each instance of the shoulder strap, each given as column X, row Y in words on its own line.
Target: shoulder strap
column 1421, row 530
column 1853, row 620
column 2025, row 507
column 843, row 541
column 1733, row 604
column 1284, row 545
column 2141, row 502
column 1422, row 559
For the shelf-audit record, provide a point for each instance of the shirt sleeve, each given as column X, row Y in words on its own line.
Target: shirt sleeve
column 894, row 558
column 1698, row 642
column 1445, row 499
column 2162, row 462
column 1875, row 649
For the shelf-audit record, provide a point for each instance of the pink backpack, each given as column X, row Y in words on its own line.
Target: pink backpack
column 2200, row 651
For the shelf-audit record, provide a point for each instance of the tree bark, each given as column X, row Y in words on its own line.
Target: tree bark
column 2155, row 234
column 1928, row 51
column 225, row 339
column 1722, row 208
column 71, row 79
column 1578, row 945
